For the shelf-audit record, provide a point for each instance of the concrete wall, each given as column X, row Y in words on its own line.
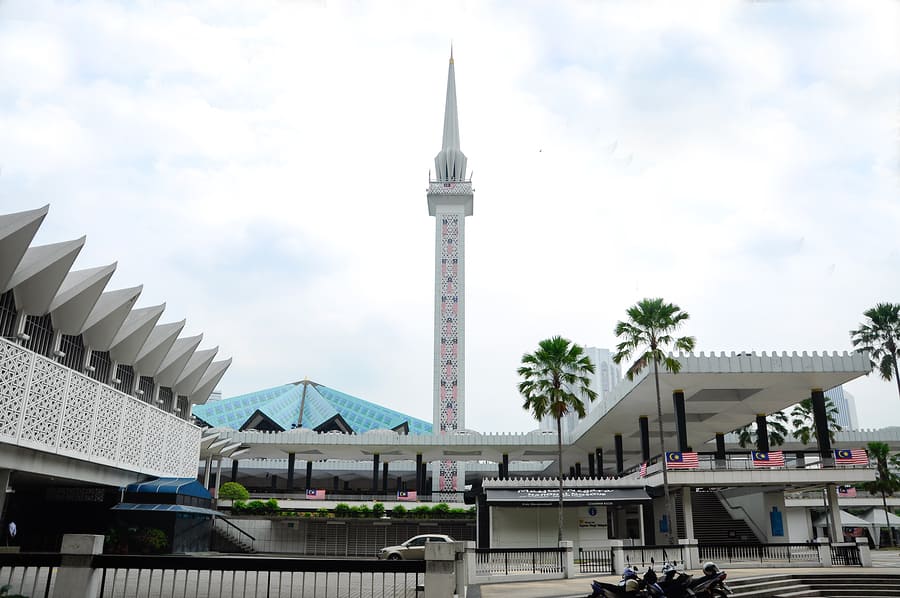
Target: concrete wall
column 798, row 524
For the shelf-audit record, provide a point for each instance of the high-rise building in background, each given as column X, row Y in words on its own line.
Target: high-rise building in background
column 846, row 408
column 607, row 375
column 449, row 201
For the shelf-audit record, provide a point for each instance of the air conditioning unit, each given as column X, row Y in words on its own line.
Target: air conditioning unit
column 90, row 368
column 23, row 337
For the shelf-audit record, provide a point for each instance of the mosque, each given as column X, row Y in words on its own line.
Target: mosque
column 100, row 403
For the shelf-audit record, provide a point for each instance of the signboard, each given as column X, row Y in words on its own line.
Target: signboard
column 586, row 496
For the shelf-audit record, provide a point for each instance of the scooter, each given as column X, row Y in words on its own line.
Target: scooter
column 631, row 586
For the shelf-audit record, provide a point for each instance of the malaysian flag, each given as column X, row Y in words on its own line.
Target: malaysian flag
column 770, row 459
column 847, row 491
column 676, row 460
column 407, row 495
column 851, row 457
column 643, row 472
column 314, row 494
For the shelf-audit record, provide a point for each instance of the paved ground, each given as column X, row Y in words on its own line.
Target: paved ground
column 580, row 586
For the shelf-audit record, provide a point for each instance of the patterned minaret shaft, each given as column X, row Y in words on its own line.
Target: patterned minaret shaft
column 449, row 201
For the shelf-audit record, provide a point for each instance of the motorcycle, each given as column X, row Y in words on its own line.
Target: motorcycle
column 712, row 584
column 631, row 586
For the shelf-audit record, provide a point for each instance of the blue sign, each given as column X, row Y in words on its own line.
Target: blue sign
column 776, row 521
column 592, row 511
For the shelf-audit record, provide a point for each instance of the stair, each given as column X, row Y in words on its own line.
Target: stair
column 223, row 541
column 807, row 585
column 713, row 523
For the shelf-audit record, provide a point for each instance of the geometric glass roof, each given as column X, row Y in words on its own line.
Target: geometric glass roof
column 324, row 409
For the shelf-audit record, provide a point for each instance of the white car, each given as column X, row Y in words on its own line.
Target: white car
column 413, row 549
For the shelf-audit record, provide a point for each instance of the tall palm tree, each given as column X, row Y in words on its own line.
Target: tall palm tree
column 804, row 422
column 887, row 481
column 880, row 335
column 554, row 380
column 776, row 428
column 648, row 332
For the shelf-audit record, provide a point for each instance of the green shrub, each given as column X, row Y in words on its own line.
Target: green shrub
column 238, row 507
column 378, row 510
column 472, row 511
column 422, row 511
column 399, row 512
column 342, row 510
column 307, row 514
column 150, row 540
column 233, row 491
column 363, row 511
column 272, row 506
column 458, row 513
column 441, row 509
column 257, row 507
column 323, row 512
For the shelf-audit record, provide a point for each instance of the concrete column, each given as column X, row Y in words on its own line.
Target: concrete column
column 720, row 449
column 419, row 476
column 505, row 464
column 644, row 426
column 440, row 568
column 680, row 420
column 688, row 508
column 691, row 553
column 234, row 470
column 599, row 453
column 292, row 460
column 337, row 483
column 592, row 466
column 762, row 433
column 375, row 459
column 568, row 559
column 835, row 529
column 384, row 478
column 571, row 471
column 618, row 554
column 76, row 578
column 309, row 474
column 620, row 458
column 577, row 469
column 820, row 416
column 207, row 471
column 824, row 551
column 218, row 483
column 865, row 555
column 642, row 532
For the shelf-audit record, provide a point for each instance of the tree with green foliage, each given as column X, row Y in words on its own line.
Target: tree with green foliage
column 804, row 421
column 879, row 335
column 554, row 381
column 233, row 491
column 776, row 430
column 887, row 482
column 648, row 332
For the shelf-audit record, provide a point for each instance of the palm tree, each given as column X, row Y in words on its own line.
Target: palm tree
column 804, row 422
column 776, row 429
column 554, row 379
column 887, row 481
column 648, row 331
column 879, row 336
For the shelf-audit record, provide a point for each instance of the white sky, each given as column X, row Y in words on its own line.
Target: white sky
column 261, row 167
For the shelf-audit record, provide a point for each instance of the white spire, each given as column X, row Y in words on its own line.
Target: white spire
column 450, row 163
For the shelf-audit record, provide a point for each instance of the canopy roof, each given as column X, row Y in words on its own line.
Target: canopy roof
column 181, row 486
column 876, row 518
column 847, row 520
column 127, row 506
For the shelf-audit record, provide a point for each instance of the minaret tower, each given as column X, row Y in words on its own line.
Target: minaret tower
column 449, row 201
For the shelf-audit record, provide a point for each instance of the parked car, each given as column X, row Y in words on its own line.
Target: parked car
column 413, row 549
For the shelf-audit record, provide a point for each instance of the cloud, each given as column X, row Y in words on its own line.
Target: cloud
column 261, row 168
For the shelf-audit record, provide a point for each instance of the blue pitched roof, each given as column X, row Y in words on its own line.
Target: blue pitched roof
column 281, row 406
column 182, row 486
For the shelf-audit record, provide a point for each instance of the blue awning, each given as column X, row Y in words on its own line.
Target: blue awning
column 128, row 506
column 181, row 486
